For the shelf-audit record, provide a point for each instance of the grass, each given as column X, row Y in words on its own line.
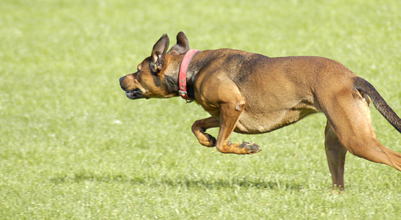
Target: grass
column 72, row 146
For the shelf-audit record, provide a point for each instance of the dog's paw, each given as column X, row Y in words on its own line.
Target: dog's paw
column 251, row 147
column 212, row 140
column 207, row 140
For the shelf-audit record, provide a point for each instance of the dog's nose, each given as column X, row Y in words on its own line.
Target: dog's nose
column 121, row 83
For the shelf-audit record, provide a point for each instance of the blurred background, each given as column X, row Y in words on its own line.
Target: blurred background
column 73, row 146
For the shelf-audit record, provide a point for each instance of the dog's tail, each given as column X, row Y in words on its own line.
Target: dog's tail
column 378, row 101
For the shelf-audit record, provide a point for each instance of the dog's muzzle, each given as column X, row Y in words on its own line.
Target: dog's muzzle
column 131, row 94
column 134, row 94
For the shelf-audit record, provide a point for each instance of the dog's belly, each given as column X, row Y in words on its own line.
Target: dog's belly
column 256, row 122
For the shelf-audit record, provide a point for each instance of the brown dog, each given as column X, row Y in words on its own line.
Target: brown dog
column 252, row 94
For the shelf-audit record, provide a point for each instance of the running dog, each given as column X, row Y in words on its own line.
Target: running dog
column 252, row 94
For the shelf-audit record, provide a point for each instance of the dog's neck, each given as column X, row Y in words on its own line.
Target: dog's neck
column 172, row 79
column 182, row 76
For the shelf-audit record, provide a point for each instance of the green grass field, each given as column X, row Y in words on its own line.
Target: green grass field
column 72, row 146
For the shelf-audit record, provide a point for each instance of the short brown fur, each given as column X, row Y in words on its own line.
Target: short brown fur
column 251, row 94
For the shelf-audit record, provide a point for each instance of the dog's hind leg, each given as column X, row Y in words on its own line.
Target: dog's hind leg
column 348, row 114
column 335, row 153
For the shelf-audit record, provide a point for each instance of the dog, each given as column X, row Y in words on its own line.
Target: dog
column 250, row 93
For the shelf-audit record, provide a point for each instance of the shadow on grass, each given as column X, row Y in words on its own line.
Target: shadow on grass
column 218, row 183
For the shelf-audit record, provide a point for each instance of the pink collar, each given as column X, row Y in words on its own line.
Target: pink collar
column 182, row 77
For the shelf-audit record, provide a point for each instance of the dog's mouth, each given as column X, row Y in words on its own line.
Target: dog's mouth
column 134, row 94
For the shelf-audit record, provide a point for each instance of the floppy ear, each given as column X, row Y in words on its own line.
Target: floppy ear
column 158, row 52
column 182, row 45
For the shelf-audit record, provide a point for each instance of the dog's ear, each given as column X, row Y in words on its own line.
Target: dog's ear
column 182, row 45
column 158, row 52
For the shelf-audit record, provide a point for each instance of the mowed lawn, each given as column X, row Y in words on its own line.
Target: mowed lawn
column 72, row 146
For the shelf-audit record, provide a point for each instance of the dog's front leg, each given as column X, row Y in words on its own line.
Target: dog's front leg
column 229, row 116
column 199, row 128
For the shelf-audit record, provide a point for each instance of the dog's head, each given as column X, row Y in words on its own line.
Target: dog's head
column 156, row 75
